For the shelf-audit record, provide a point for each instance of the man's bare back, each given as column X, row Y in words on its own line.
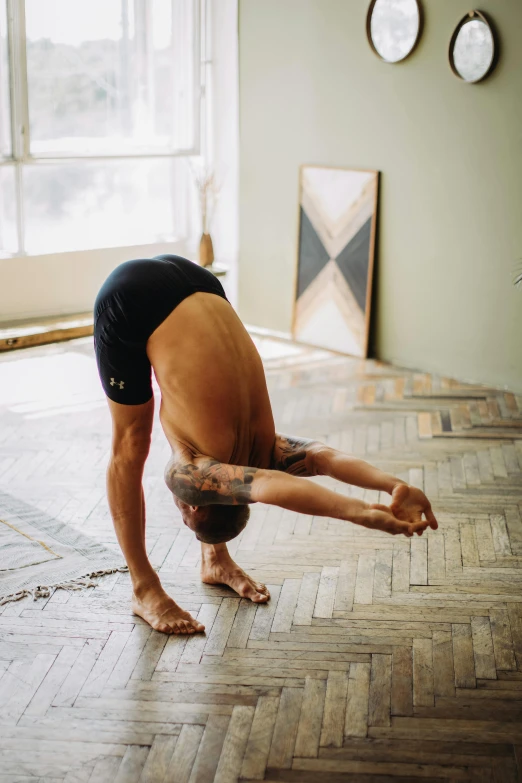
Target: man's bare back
column 216, row 414
column 214, row 398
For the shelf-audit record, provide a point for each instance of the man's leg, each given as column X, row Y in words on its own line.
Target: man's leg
column 132, row 427
column 218, row 568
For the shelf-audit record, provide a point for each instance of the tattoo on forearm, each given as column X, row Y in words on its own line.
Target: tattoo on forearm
column 209, row 481
column 290, row 455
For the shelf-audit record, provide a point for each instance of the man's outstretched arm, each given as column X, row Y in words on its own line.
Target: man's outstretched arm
column 203, row 481
column 310, row 458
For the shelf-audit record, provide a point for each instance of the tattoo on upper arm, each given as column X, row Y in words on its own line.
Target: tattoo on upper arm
column 209, row 481
column 290, row 455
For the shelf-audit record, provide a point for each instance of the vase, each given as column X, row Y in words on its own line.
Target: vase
column 206, row 250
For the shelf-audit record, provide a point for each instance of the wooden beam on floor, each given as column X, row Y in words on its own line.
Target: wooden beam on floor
column 25, row 334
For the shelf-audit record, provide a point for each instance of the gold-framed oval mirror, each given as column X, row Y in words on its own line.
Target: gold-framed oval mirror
column 473, row 48
column 394, row 28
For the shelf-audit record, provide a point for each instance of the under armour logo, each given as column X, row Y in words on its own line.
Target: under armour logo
column 120, row 384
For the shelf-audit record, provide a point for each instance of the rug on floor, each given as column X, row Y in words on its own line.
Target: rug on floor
column 39, row 554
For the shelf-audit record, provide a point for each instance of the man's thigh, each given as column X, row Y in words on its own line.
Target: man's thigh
column 132, row 428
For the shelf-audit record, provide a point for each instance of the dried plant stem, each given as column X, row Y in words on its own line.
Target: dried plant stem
column 208, row 191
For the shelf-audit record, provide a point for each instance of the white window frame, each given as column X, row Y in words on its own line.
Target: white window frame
column 19, row 100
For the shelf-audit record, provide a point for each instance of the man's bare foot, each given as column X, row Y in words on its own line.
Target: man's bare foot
column 158, row 609
column 218, row 568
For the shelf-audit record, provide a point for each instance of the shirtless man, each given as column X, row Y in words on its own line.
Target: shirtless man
column 215, row 411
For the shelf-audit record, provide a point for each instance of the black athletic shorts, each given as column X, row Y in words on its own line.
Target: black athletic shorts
column 134, row 300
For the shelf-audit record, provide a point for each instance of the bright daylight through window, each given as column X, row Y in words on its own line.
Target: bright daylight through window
column 99, row 109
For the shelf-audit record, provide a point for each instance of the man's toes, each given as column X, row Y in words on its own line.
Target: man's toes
column 191, row 626
column 260, row 598
column 180, row 625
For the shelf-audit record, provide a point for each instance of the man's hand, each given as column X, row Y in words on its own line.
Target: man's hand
column 409, row 504
column 379, row 517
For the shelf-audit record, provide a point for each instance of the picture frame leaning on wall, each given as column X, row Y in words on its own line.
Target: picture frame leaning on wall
column 335, row 258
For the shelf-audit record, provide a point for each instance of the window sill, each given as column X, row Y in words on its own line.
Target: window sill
column 175, row 246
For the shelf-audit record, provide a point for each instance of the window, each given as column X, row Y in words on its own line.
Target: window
column 99, row 109
column 5, row 109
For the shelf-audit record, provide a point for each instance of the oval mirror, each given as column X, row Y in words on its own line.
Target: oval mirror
column 472, row 51
column 393, row 28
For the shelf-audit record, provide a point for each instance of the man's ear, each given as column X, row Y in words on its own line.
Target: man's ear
column 194, row 508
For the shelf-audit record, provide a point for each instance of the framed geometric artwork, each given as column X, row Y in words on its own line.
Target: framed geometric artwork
column 337, row 223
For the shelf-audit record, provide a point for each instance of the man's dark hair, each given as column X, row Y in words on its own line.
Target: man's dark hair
column 215, row 523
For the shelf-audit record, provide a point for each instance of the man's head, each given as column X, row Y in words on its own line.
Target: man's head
column 214, row 524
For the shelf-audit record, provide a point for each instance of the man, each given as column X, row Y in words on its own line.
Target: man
column 172, row 314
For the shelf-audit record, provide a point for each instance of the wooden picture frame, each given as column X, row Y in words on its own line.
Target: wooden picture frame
column 415, row 43
column 335, row 258
column 479, row 16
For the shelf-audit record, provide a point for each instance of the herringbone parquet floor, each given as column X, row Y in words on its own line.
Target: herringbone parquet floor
column 377, row 659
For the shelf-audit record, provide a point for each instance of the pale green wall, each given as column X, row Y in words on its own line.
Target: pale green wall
column 312, row 91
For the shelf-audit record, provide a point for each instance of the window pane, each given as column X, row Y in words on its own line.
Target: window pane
column 77, row 206
column 111, row 76
column 8, row 230
column 5, row 109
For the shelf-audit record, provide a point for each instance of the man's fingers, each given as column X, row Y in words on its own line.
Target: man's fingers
column 386, row 521
column 419, row 527
column 430, row 516
column 409, row 505
column 392, row 523
column 396, row 526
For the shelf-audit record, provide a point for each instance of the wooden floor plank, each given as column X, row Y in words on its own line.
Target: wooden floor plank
column 422, row 673
column 402, row 682
column 132, row 764
column 364, row 579
column 282, row 622
column 443, row 664
column 463, row 656
column 185, row 753
column 306, row 599
column 379, row 710
column 324, row 603
column 332, row 732
column 240, row 632
column 234, row 746
column 356, row 723
column 311, row 717
column 502, row 639
column 158, row 759
column 483, row 652
column 345, row 585
column 260, row 738
column 210, row 749
column 285, row 729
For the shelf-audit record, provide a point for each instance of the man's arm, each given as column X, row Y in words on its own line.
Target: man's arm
column 297, row 456
column 311, row 458
column 305, row 457
column 202, row 481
